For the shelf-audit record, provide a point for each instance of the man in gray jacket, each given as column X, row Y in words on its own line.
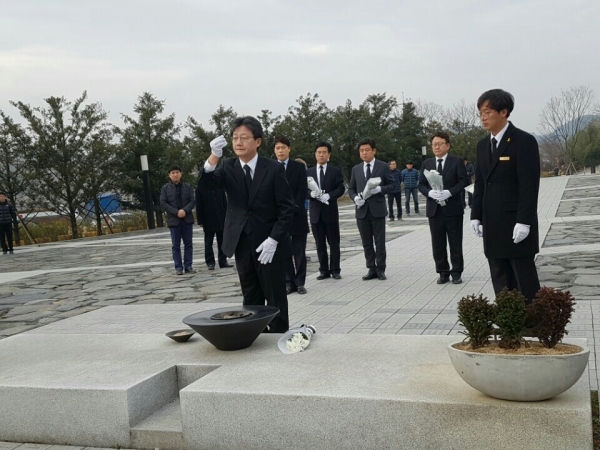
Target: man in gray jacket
column 8, row 216
column 177, row 200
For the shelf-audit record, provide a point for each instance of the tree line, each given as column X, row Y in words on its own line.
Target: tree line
column 66, row 153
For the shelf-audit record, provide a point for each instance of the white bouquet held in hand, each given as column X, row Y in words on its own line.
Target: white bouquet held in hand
column 372, row 184
column 296, row 339
column 315, row 190
column 436, row 182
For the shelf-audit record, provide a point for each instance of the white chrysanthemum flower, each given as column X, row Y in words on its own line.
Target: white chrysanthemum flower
column 297, row 343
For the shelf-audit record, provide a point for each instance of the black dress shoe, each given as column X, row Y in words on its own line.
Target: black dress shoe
column 225, row 266
column 179, row 272
column 370, row 276
column 190, row 270
column 381, row 276
column 211, row 267
column 336, row 276
column 443, row 279
column 322, row 276
column 301, row 290
column 456, row 280
column 290, row 289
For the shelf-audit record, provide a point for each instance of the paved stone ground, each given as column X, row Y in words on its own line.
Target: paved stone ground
column 48, row 283
column 68, row 279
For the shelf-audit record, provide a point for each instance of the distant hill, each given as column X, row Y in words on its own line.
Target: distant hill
column 587, row 119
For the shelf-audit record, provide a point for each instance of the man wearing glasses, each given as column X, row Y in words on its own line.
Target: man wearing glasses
column 259, row 216
column 507, row 181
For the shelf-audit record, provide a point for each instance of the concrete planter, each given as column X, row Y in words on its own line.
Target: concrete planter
column 523, row 378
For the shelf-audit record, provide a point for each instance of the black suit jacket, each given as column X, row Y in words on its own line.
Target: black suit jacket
column 269, row 209
column 506, row 193
column 296, row 177
column 376, row 203
column 333, row 184
column 455, row 179
column 211, row 207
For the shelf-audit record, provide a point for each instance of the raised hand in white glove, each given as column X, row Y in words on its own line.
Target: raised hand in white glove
column 476, row 227
column 267, row 250
column 217, row 145
column 520, row 232
column 444, row 195
column 324, row 198
column 377, row 190
column 434, row 194
column 315, row 194
column 359, row 201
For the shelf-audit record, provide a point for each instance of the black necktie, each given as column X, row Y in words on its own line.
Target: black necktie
column 494, row 145
column 321, row 177
column 439, row 169
column 368, row 171
column 284, row 166
column 248, row 178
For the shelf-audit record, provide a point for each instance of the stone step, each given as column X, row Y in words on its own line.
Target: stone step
column 161, row 430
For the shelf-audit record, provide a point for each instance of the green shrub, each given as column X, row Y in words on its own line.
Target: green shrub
column 552, row 310
column 511, row 315
column 476, row 314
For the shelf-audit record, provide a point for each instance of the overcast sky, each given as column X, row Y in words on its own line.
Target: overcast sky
column 260, row 54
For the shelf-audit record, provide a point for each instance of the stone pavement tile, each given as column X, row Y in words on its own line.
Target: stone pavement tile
column 9, row 445
column 405, row 331
column 415, row 326
column 65, row 447
column 362, row 331
column 34, row 447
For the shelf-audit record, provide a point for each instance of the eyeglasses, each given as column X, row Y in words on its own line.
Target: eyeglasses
column 486, row 114
column 439, row 144
column 242, row 138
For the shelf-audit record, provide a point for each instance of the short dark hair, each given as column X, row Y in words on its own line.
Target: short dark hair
column 3, row 193
column 366, row 141
column 392, row 161
column 281, row 139
column 497, row 99
column 324, row 144
column 249, row 122
column 410, row 162
column 174, row 167
column 441, row 134
column 465, row 158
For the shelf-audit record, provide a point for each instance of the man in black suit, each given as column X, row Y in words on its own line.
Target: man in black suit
column 507, row 182
column 324, row 214
column 371, row 213
column 444, row 208
column 211, row 207
column 259, row 216
column 295, row 173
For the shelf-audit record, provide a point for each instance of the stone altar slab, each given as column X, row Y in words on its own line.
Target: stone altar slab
column 60, row 385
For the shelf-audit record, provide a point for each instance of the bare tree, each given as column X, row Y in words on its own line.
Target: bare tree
column 565, row 116
column 429, row 111
column 551, row 154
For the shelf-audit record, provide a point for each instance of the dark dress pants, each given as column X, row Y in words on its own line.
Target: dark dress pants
column 372, row 230
column 184, row 232
column 327, row 233
column 262, row 282
column 6, row 233
column 519, row 273
column 296, row 266
column 447, row 231
column 398, row 197
column 209, row 254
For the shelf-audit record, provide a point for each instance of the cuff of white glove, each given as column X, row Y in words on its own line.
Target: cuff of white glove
column 432, row 194
column 357, row 198
column 270, row 240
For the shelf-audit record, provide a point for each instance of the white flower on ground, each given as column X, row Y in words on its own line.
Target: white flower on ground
column 297, row 343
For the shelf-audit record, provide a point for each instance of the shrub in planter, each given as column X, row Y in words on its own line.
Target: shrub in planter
column 511, row 315
column 476, row 314
column 551, row 311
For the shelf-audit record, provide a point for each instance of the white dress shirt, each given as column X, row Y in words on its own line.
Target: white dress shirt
column 499, row 135
column 319, row 172
column 252, row 163
column 365, row 167
column 443, row 158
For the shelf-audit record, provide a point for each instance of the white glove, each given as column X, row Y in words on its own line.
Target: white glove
column 475, row 226
column 520, row 232
column 434, row 194
column 377, row 190
column 267, row 250
column 315, row 194
column 359, row 201
column 217, row 145
column 444, row 195
column 324, row 198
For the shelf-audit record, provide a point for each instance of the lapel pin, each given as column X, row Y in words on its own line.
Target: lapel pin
column 508, row 140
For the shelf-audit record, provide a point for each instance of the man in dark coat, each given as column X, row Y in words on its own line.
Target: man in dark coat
column 259, row 216
column 507, row 182
column 397, row 192
column 211, row 207
column 470, row 168
column 177, row 200
column 445, row 220
column 295, row 172
column 8, row 217
column 324, row 213
column 370, row 213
